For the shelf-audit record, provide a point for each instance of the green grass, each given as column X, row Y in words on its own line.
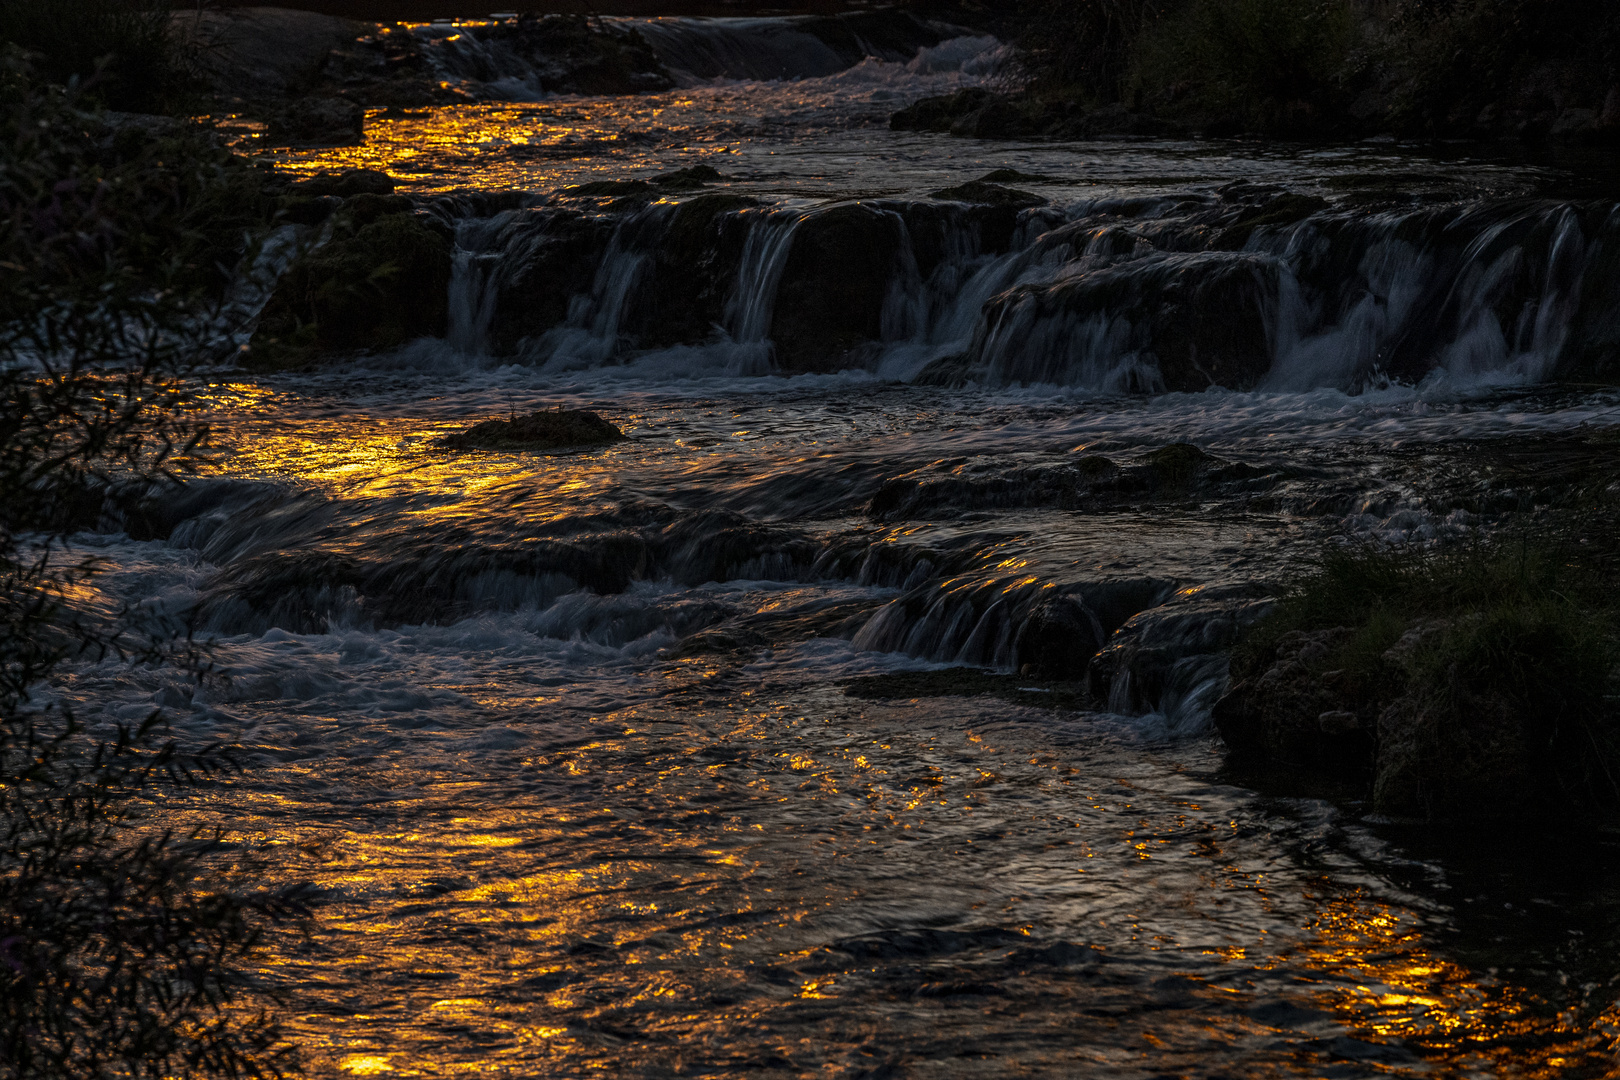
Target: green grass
column 1523, row 624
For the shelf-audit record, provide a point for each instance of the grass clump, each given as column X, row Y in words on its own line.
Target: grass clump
column 1472, row 682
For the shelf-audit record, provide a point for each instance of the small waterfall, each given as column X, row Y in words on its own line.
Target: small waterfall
column 1123, row 298
column 472, row 290
column 765, row 255
column 591, row 335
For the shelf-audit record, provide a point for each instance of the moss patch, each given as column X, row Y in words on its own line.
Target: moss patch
column 1470, row 683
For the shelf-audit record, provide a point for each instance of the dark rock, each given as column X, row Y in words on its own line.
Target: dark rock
column 830, row 301
column 688, row 179
column 1170, row 654
column 344, row 184
column 694, row 269
column 605, row 188
column 547, row 430
column 261, row 53
column 997, row 118
column 321, row 121
column 376, row 287
column 1189, row 321
column 939, row 113
column 562, row 250
column 988, row 194
column 1277, row 714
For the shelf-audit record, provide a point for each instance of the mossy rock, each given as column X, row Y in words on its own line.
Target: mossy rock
column 552, row 429
column 377, row 287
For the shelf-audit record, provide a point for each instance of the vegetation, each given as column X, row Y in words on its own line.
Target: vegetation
column 1477, row 679
column 124, row 942
column 121, row 52
column 382, row 280
column 1325, row 67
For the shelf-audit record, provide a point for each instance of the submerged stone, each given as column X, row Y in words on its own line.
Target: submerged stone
column 552, row 429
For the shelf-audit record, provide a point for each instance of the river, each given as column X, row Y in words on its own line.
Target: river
column 625, row 761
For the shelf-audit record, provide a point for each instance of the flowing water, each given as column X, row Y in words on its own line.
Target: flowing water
column 564, row 741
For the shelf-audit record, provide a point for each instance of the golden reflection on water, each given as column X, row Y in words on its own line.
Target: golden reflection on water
column 534, row 146
column 1400, row 990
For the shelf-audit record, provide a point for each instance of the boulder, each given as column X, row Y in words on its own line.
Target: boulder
column 693, row 272
column 1279, row 713
column 372, row 286
column 984, row 193
column 262, row 53
column 344, row 184
column 939, row 113
column 561, row 251
column 551, row 429
column 830, row 300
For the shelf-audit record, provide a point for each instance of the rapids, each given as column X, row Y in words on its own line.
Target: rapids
column 564, row 742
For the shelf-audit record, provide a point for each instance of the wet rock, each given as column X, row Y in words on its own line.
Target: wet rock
column 1181, row 322
column 317, row 121
column 1284, row 209
column 692, row 178
column 693, row 273
column 372, row 286
column 550, row 429
column 262, row 53
column 997, row 118
column 561, row 251
column 344, row 184
column 939, row 113
column 830, row 301
column 1169, row 656
column 989, row 194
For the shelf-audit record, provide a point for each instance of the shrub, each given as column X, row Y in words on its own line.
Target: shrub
column 1498, row 657
column 122, row 51
column 1269, row 64
column 1454, row 57
column 122, row 943
column 1085, row 45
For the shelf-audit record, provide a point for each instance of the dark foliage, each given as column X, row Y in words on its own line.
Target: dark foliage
column 121, row 50
column 123, row 943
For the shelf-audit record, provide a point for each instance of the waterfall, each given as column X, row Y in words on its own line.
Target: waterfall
column 765, row 255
